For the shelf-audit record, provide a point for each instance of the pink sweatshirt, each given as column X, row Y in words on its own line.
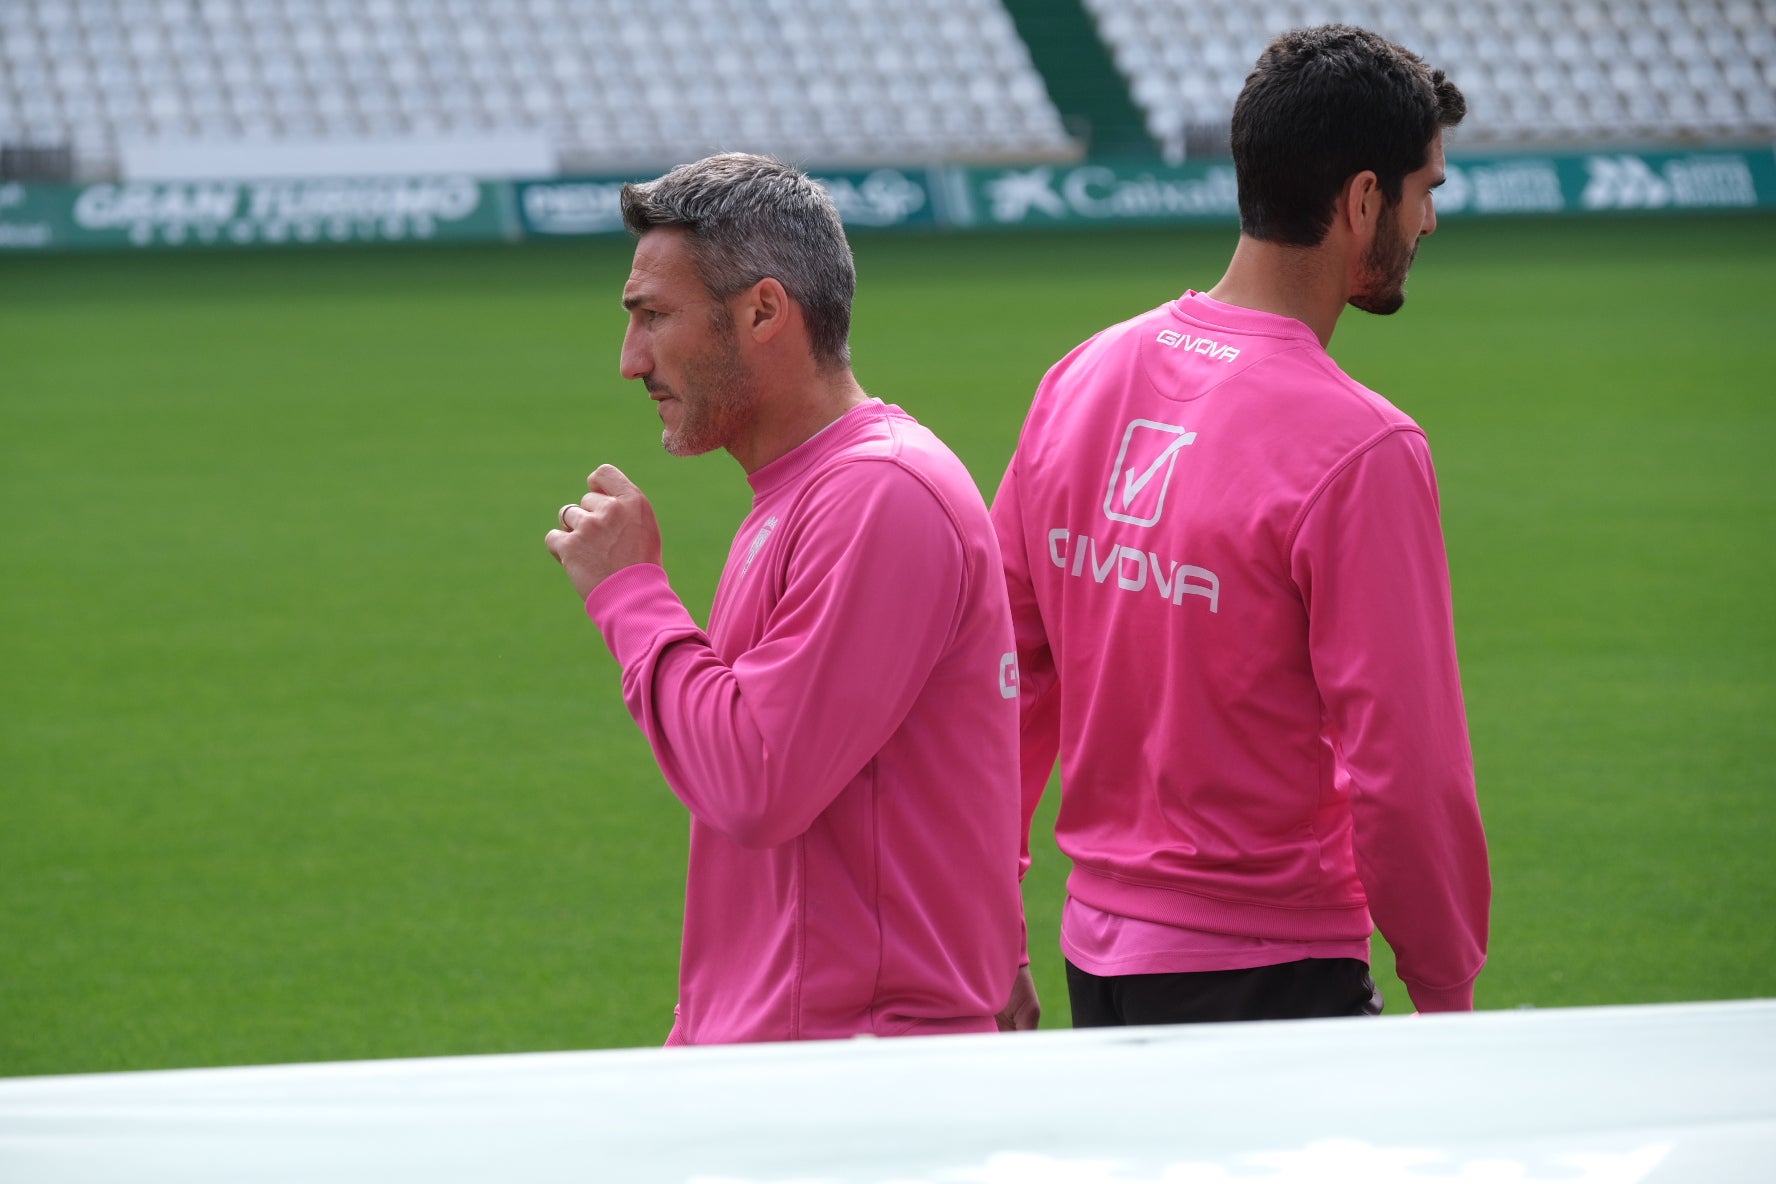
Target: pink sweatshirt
column 845, row 738
column 1234, row 624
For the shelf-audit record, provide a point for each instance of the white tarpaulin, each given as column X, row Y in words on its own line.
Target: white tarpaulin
column 1581, row 1096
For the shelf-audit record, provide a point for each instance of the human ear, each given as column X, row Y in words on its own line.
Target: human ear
column 1362, row 202
column 766, row 310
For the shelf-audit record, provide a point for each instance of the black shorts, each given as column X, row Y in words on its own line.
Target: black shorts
column 1312, row 988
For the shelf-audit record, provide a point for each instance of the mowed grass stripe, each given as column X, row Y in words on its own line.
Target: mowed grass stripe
column 307, row 753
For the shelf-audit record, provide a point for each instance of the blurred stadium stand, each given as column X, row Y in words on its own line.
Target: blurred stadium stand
column 612, row 83
column 620, row 84
column 1537, row 73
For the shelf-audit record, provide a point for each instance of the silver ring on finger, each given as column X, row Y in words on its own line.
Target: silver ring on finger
column 562, row 515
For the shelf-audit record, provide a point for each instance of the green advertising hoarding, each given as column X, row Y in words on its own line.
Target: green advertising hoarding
column 1602, row 181
column 30, row 215
column 460, row 208
column 244, row 213
column 882, row 198
column 1086, row 194
column 1104, row 193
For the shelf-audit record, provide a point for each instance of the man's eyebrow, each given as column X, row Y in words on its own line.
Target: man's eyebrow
column 1441, row 177
column 632, row 302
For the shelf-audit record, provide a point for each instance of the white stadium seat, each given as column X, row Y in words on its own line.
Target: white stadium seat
column 735, row 73
column 618, row 84
column 1708, row 64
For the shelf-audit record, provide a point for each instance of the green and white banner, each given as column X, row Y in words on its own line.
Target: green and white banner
column 244, row 213
column 885, row 198
column 1610, row 181
column 30, row 216
column 1100, row 194
column 461, row 208
column 1085, row 194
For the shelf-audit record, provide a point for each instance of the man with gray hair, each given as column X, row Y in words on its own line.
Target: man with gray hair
column 844, row 733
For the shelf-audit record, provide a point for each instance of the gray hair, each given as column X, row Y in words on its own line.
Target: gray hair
column 752, row 217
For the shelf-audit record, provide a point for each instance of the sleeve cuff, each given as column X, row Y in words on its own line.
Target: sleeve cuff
column 636, row 609
column 1427, row 1000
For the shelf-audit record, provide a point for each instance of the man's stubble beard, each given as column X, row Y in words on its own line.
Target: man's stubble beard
column 726, row 395
column 1385, row 266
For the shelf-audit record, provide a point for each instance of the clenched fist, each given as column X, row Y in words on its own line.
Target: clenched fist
column 611, row 528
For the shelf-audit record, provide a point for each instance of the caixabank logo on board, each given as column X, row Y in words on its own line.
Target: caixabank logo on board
column 1100, row 193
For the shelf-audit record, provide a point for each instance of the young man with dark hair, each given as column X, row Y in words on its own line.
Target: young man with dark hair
column 844, row 734
column 1232, row 603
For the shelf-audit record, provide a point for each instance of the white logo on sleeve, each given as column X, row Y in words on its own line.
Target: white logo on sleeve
column 1143, row 471
column 1008, row 676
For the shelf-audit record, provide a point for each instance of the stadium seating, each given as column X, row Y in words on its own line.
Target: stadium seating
column 613, row 83
column 620, row 84
column 1536, row 72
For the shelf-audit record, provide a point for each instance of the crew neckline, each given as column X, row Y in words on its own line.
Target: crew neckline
column 792, row 462
column 1200, row 306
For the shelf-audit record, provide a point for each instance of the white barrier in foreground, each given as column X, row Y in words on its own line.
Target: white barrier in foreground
column 1582, row 1096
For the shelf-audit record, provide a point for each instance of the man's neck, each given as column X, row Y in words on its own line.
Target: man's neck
column 793, row 419
column 1300, row 282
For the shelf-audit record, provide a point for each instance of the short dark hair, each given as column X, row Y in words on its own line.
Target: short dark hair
column 1322, row 105
column 751, row 217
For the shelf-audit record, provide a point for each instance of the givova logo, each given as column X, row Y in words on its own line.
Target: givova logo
column 1172, row 339
column 1143, row 471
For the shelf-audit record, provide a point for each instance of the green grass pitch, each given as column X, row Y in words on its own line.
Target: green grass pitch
column 307, row 752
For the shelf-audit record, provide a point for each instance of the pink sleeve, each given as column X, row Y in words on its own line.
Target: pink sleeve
column 759, row 748
column 1039, row 699
column 1370, row 563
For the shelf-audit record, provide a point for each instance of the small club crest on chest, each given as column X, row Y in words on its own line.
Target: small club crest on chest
column 758, row 543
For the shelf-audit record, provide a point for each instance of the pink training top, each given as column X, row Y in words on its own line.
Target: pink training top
column 1106, row 944
column 845, row 738
column 1234, row 624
